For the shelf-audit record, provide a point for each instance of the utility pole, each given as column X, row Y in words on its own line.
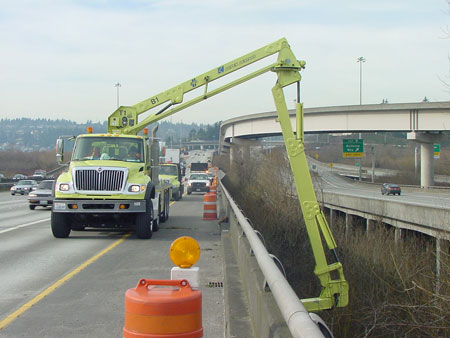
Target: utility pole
column 118, row 85
column 360, row 60
column 373, row 163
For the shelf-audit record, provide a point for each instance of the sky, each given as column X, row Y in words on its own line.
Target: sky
column 62, row 58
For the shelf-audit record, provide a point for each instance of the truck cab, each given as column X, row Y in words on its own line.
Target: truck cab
column 172, row 172
column 110, row 183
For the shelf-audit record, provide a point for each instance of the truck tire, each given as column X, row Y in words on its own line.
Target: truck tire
column 144, row 222
column 166, row 209
column 32, row 207
column 60, row 228
column 165, row 213
column 162, row 215
column 157, row 219
column 178, row 195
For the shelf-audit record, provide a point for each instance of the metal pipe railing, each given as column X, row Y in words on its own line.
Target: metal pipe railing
column 294, row 313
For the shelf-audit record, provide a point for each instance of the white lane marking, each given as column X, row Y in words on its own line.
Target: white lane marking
column 14, row 202
column 24, row 225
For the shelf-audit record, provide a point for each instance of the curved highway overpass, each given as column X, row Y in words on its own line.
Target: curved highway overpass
column 405, row 117
column 424, row 122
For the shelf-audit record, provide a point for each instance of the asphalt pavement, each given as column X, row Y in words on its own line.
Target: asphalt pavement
column 101, row 266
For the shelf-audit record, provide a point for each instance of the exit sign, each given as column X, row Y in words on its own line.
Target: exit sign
column 437, row 150
column 353, row 148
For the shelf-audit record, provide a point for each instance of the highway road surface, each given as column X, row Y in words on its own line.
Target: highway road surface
column 75, row 287
column 327, row 180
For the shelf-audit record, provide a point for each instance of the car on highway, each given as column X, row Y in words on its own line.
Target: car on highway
column 39, row 174
column 390, row 189
column 42, row 195
column 18, row 177
column 23, row 187
column 198, row 182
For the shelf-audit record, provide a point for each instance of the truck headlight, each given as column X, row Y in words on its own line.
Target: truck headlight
column 64, row 187
column 136, row 188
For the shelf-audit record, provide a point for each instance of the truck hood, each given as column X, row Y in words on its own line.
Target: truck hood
column 133, row 168
column 172, row 178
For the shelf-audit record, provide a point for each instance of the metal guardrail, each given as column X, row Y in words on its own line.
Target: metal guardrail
column 297, row 318
column 5, row 186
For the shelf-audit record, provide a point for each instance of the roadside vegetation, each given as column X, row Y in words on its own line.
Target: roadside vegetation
column 393, row 285
column 18, row 162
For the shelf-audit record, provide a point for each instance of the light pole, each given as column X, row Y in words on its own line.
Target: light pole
column 118, row 85
column 360, row 60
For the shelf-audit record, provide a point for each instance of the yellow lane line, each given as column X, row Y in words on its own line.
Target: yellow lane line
column 20, row 311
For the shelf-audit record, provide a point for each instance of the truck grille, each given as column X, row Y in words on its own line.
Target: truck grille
column 198, row 185
column 99, row 179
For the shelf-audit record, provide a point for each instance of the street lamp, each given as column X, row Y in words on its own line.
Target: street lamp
column 118, row 85
column 360, row 60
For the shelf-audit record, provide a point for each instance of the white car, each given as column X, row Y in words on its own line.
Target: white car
column 23, row 187
column 198, row 182
column 42, row 195
column 18, row 177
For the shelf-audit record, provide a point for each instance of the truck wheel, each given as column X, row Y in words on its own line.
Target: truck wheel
column 166, row 209
column 32, row 207
column 144, row 222
column 60, row 228
column 157, row 219
column 178, row 195
column 162, row 215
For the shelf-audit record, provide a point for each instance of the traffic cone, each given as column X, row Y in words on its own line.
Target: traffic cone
column 173, row 311
column 209, row 207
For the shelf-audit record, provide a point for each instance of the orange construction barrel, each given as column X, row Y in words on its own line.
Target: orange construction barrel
column 163, row 309
column 209, row 206
column 213, row 189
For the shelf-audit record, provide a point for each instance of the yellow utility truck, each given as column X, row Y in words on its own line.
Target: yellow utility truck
column 97, row 192
column 112, row 181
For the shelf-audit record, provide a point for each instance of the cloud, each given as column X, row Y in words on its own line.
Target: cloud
column 61, row 59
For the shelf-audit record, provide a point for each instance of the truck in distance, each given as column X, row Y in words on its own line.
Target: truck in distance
column 172, row 172
column 199, row 167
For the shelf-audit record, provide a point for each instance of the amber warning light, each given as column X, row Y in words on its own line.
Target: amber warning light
column 185, row 252
column 89, row 130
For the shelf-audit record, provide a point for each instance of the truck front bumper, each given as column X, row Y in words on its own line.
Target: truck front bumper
column 99, row 206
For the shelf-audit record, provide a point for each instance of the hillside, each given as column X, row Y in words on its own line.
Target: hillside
column 28, row 135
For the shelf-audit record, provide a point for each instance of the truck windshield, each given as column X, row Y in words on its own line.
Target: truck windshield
column 108, row 148
column 168, row 170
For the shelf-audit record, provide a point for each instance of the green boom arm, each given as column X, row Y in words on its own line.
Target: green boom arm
column 125, row 121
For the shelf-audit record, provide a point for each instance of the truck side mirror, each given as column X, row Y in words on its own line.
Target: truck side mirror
column 60, row 150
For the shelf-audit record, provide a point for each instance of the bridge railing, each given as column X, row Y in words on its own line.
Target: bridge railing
column 299, row 322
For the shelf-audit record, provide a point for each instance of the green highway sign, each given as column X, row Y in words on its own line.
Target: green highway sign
column 437, row 150
column 352, row 148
